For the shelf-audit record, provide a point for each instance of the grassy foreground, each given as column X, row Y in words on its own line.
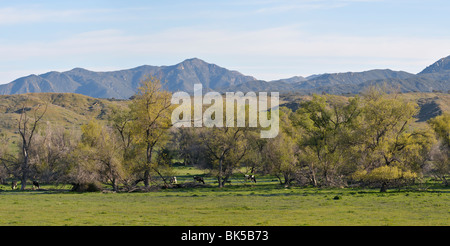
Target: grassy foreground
column 237, row 204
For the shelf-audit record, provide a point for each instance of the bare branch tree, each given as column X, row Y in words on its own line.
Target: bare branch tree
column 27, row 128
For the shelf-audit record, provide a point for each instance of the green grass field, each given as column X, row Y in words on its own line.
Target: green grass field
column 265, row 203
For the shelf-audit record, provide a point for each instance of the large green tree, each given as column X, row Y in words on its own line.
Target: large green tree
column 280, row 153
column 101, row 149
column 386, row 136
column 226, row 148
column 441, row 157
column 326, row 124
column 151, row 114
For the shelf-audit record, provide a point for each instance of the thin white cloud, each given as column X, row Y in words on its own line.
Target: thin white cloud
column 282, row 41
column 35, row 14
column 289, row 42
column 276, row 7
column 269, row 45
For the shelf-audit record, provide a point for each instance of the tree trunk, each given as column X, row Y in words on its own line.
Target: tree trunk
column 24, row 169
column 23, row 180
column 279, row 179
column 113, row 184
column 146, row 178
column 223, row 181
column 166, row 184
column 383, row 187
column 313, row 178
column 287, row 180
column 313, row 175
column 149, row 161
column 220, row 173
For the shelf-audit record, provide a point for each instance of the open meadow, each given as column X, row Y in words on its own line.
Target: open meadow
column 239, row 203
column 111, row 149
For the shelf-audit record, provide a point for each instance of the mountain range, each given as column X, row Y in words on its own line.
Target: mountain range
column 123, row 84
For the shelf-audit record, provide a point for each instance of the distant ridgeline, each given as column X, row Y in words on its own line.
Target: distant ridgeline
column 182, row 77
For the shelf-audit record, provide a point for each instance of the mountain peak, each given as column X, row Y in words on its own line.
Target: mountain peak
column 441, row 65
column 194, row 60
column 191, row 63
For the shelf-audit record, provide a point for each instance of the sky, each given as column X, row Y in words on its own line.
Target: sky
column 266, row 39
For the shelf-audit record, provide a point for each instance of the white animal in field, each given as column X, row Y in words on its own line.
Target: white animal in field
column 173, row 180
column 250, row 177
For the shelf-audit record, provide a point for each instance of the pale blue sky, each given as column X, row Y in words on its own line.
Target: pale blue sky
column 266, row 39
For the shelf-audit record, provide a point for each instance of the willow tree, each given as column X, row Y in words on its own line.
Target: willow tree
column 122, row 121
column 226, row 147
column 151, row 114
column 441, row 159
column 441, row 125
column 327, row 123
column 386, row 137
column 102, row 153
column 280, row 153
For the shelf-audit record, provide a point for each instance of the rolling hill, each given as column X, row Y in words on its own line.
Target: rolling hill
column 430, row 104
column 68, row 110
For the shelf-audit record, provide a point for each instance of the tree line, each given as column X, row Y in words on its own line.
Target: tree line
column 329, row 141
